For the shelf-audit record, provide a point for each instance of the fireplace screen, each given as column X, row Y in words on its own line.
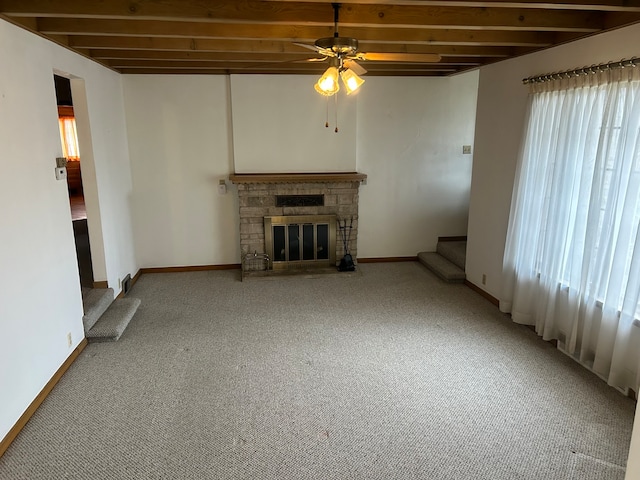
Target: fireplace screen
column 300, row 241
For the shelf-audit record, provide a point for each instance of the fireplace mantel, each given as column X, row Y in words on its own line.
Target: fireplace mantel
column 245, row 178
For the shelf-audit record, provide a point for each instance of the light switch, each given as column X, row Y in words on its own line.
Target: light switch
column 466, row 149
column 222, row 187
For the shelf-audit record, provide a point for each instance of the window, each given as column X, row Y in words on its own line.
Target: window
column 572, row 259
column 69, row 138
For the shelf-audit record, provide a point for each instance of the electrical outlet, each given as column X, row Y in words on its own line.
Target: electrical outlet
column 466, row 149
column 484, row 279
column 69, row 339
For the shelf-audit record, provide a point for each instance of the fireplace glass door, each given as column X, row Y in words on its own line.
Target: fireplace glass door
column 300, row 241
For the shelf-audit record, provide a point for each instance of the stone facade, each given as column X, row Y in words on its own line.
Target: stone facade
column 258, row 200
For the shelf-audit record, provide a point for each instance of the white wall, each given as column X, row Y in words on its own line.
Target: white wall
column 499, row 124
column 410, row 136
column 40, row 299
column 279, row 126
column 180, row 146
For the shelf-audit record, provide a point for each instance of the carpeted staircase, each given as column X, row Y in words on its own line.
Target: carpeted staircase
column 448, row 261
column 105, row 319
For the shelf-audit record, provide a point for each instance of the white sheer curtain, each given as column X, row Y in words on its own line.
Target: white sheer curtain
column 572, row 256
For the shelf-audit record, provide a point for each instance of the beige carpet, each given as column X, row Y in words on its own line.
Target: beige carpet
column 389, row 374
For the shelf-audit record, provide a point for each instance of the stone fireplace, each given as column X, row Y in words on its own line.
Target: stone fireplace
column 292, row 221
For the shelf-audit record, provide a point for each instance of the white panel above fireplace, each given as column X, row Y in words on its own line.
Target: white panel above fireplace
column 278, row 126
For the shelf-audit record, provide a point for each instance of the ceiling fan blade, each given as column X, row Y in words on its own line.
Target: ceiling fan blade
column 306, row 45
column 263, row 65
column 327, row 52
column 355, row 67
column 400, row 57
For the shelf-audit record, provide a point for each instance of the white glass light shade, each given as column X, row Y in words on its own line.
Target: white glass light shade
column 351, row 81
column 328, row 82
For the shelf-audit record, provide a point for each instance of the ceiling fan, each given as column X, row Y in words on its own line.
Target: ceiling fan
column 342, row 53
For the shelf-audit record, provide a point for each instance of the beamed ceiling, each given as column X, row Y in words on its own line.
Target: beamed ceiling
column 236, row 37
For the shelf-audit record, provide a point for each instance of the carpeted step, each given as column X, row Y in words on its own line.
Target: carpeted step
column 114, row 321
column 442, row 267
column 95, row 302
column 455, row 252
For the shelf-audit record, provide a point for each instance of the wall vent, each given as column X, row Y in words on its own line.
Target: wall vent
column 126, row 284
column 299, row 200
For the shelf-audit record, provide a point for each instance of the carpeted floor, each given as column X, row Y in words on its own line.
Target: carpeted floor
column 391, row 374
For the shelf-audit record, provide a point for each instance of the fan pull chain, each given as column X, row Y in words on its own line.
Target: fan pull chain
column 326, row 123
column 336, row 97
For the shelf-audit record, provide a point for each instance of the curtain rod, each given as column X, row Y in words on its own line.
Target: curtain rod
column 633, row 62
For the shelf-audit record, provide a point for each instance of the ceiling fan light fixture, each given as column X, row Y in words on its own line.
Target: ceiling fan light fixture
column 352, row 82
column 328, row 83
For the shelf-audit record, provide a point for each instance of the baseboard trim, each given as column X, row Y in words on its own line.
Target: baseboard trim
column 387, row 259
column 193, row 268
column 101, row 284
column 486, row 295
column 31, row 409
column 462, row 238
column 136, row 277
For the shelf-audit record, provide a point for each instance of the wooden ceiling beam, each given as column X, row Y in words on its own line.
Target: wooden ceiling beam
column 251, row 56
column 618, row 19
column 312, row 67
column 599, row 5
column 266, row 71
column 191, row 56
column 28, row 23
column 458, row 37
column 96, row 43
column 215, row 65
column 182, row 44
column 245, row 57
column 61, row 39
column 312, row 76
column 301, row 10
column 66, row 26
column 311, row 14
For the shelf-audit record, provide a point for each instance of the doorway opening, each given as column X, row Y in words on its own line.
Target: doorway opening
column 71, row 151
